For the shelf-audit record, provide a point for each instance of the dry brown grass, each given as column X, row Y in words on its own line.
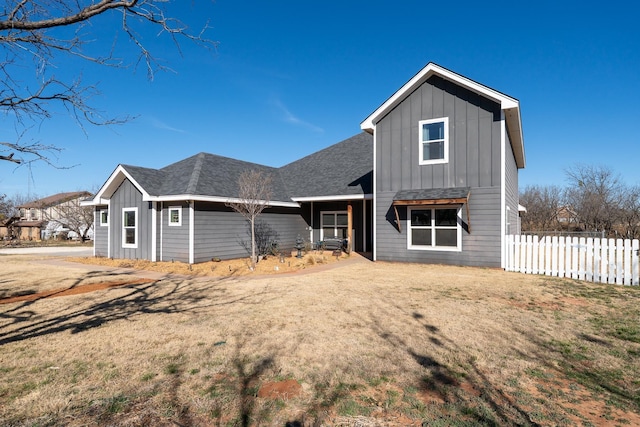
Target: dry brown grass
column 369, row 344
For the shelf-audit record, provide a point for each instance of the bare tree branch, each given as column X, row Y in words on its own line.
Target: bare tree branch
column 40, row 34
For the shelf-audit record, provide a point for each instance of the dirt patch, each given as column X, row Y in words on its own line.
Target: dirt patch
column 280, row 390
column 63, row 292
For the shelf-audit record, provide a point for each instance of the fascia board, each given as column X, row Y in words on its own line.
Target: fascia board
column 109, row 187
column 333, row 198
column 215, row 199
column 506, row 102
column 514, row 124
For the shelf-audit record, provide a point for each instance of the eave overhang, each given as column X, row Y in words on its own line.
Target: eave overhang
column 120, row 174
column 333, row 198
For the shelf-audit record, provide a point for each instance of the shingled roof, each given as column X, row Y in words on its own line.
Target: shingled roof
column 204, row 175
column 343, row 169
column 55, row 200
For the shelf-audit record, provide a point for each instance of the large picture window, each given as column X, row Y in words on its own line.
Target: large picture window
column 130, row 227
column 434, row 228
column 434, row 141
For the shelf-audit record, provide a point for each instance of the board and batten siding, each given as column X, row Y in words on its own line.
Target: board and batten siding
column 173, row 241
column 100, row 234
column 475, row 161
column 480, row 247
column 223, row 233
column 474, row 140
column 128, row 196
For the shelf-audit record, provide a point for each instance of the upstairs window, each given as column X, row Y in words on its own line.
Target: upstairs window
column 130, row 227
column 434, row 141
column 175, row 216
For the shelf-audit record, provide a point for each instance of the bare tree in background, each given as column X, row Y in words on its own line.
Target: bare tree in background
column 594, row 193
column 73, row 217
column 40, row 35
column 543, row 204
column 630, row 212
column 254, row 195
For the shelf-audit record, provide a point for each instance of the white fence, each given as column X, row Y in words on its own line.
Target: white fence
column 614, row 261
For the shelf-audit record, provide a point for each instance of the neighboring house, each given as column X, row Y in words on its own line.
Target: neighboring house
column 567, row 216
column 434, row 178
column 41, row 219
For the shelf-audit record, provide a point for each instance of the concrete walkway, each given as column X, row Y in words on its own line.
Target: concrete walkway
column 49, row 250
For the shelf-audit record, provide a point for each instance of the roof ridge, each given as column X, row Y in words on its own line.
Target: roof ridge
column 195, row 176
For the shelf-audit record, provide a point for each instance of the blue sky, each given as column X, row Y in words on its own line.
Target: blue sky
column 289, row 78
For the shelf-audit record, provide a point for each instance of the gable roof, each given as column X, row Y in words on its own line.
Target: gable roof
column 509, row 105
column 341, row 170
column 54, row 200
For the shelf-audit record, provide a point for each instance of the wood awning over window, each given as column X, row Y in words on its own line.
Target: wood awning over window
column 432, row 197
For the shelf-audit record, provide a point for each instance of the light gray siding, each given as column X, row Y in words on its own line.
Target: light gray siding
column 223, row 233
column 480, row 245
column 100, row 234
column 173, row 239
column 128, row 196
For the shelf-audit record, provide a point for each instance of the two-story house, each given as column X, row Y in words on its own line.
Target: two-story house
column 433, row 178
column 43, row 218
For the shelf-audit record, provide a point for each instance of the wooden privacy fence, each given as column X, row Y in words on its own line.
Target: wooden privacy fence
column 614, row 261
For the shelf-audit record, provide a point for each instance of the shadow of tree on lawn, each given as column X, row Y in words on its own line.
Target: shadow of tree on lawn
column 22, row 321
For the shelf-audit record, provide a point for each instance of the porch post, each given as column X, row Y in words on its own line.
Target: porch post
column 349, row 226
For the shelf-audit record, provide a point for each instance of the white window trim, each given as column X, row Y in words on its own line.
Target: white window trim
column 100, row 212
column 175, row 224
column 334, row 226
column 124, row 234
column 457, row 248
column 421, row 142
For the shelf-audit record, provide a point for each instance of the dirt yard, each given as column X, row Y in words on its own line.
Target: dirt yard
column 341, row 343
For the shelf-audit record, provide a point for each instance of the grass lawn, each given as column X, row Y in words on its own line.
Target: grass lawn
column 365, row 344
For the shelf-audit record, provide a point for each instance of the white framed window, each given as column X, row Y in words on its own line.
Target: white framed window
column 175, row 216
column 434, row 228
column 130, row 227
column 104, row 217
column 434, row 141
column 333, row 224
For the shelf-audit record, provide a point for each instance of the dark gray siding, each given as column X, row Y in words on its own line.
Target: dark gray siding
column 128, row 196
column 223, row 233
column 100, row 234
column 174, row 240
column 474, row 140
column 480, row 245
column 511, row 190
column 475, row 136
